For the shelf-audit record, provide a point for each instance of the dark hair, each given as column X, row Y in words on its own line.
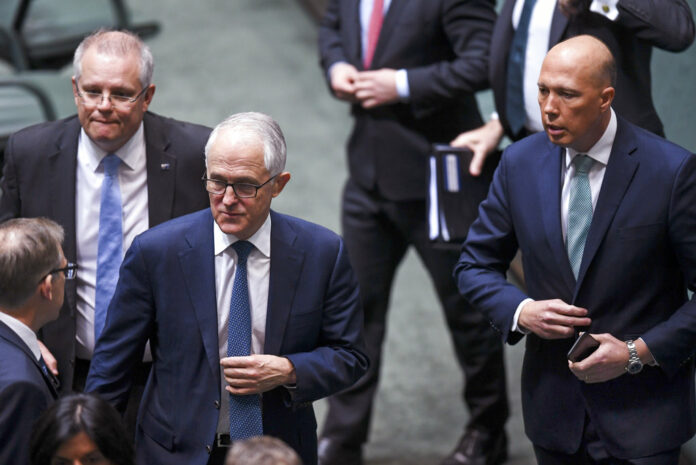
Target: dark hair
column 81, row 413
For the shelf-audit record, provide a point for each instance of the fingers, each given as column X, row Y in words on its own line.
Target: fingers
column 552, row 319
column 49, row 359
column 476, row 165
column 606, row 363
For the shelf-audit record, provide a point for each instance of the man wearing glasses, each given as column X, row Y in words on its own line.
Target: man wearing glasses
column 106, row 175
column 252, row 315
column 33, row 272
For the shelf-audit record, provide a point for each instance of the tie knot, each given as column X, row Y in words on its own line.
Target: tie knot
column 110, row 163
column 243, row 249
column 582, row 163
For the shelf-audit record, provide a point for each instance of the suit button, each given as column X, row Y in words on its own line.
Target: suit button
column 209, row 449
column 217, row 404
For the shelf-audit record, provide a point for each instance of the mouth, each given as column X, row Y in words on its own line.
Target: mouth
column 554, row 130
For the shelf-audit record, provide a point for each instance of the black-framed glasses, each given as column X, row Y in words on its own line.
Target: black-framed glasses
column 242, row 190
column 69, row 270
column 117, row 100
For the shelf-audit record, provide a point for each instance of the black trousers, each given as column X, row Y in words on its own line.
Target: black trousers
column 377, row 233
column 593, row 452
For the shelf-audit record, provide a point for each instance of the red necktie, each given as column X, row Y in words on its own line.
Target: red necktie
column 373, row 31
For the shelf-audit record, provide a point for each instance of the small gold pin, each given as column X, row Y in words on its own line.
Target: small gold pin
column 605, row 8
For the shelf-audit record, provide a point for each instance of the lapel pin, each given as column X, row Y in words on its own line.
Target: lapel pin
column 164, row 166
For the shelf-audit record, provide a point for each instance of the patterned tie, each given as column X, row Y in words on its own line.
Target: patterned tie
column 110, row 242
column 579, row 211
column 245, row 411
column 373, row 29
column 514, row 97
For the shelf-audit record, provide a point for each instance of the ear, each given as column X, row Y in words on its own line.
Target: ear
column 74, row 90
column 607, row 96
column 147, row 98
column 280, row 181
column 46, row 287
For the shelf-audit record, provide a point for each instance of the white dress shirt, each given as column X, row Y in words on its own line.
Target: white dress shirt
column 258, row 274
column 24, row 332
column 132, row 178
column 600, row 153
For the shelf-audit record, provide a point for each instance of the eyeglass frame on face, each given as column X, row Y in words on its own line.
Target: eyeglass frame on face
column 234, row 186
column 120, row 100
column 69, row 271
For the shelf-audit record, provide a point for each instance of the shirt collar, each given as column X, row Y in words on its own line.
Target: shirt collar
column 128, row 153
column 602, row 149
column 261, row 239
column 24, row 332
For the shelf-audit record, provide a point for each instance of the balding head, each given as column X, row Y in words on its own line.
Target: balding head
column 576, row 88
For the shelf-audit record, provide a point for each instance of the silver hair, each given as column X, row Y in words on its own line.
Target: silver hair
column 261, row 125
column 118, row 43
column 29, row 249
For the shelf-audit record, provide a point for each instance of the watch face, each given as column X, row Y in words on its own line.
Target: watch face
column 634, row 367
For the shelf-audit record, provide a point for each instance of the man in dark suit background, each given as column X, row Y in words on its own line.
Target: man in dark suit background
column 409, row 70
column 630, row 28
column 57, row 170
column 33, row 272
column 605, row 215
column 243, row 306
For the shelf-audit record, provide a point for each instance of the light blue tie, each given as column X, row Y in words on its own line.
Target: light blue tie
column 579, row 211
column 110, row 242
column 245, row 411
column 514, row 94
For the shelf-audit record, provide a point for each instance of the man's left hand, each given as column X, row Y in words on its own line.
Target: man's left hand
column 607, row 362
column 254, row 374
column 375, row 88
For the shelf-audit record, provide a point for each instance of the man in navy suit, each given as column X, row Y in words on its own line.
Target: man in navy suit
column 33, row 271
column 176, row 289
column 605, row 215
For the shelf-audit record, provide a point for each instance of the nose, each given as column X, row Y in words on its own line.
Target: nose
column 105, row 103
column 229, row 197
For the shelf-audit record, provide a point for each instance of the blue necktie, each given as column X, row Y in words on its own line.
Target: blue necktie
column 245, row 411
column 514, row 96
column 110, row 243
column 579, row 211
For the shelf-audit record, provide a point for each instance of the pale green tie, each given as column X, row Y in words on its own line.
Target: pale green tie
column 579, row 211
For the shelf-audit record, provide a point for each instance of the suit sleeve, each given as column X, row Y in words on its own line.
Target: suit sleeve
column 486, row 255
column 667, row 24
column 468, row 26
column 129, row 321
column 9, row 190
column 21, row 404
column 672, row 342
column 330, row 43
column 339, row 359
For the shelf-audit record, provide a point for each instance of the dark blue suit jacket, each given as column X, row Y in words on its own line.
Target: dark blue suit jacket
column 166, row 292
column 639, row 259
column 24, row 395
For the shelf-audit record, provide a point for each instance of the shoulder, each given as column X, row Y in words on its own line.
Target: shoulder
column 177, row 227
column 16, row 367
column 524, row 150
column 304, row 234
column 649, row 148
column 45, row 133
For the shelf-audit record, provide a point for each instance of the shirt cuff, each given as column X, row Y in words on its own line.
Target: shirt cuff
column 606, row 8
column 402, row 84
column 515, row 326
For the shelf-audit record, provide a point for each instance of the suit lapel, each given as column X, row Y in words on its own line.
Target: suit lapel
column 286, row 265
column 198, row 267
column 389, row 25
column 161, row 169
column 617, row 178
column 351, row 18
column 549, row 170
column 559, row 23
column 13, row 338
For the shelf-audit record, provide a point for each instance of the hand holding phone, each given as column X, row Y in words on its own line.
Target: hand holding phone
column 584, row 345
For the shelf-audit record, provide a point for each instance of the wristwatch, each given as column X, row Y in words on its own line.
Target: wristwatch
column 634, row 364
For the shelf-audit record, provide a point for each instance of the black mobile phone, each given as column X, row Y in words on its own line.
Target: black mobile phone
column 584, row 345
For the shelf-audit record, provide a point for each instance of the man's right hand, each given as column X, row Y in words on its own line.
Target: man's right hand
column 552, row 319
column 482, row 141
column 343, row 77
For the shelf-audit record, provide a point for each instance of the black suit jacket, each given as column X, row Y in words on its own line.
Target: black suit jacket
column 24, row 394
column 639, row 260
column 39, row 179
column 641, row 25
column 443, row 45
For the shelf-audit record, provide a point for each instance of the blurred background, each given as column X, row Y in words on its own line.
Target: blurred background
column 218, row 57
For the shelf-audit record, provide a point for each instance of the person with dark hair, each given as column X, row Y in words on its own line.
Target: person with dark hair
column 80, row 429
column 33, row 272
column 262, row 450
